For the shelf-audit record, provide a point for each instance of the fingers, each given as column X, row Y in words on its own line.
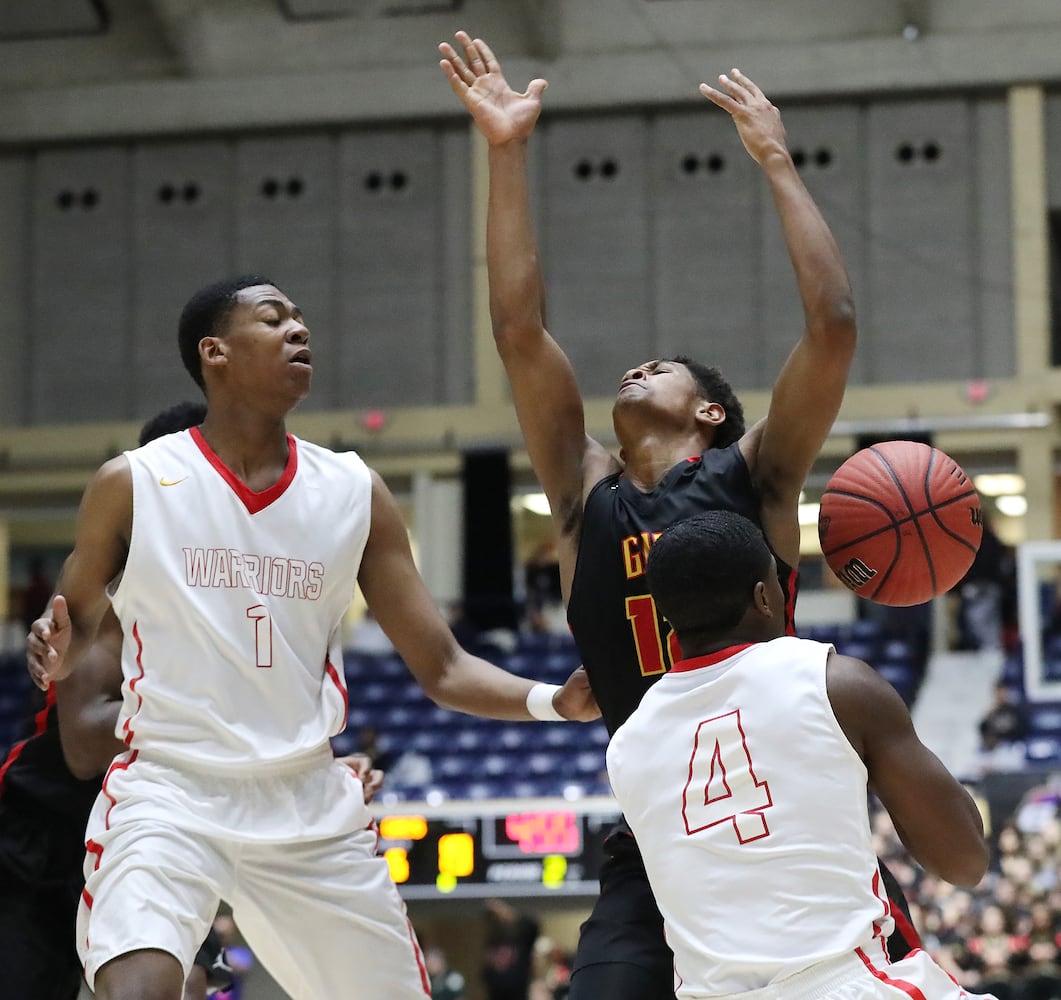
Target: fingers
column 738, row 90
column 60, row 614
column 488, row 57
column 477, row 60
column 371, row 784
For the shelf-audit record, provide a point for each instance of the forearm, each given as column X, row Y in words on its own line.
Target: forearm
column 87, row 736
column 822, row 279
column 472, row 685
column 513, row 265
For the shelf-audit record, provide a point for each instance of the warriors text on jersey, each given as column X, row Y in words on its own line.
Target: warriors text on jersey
column 624, row 646
column 750, row 807
column 231, row 603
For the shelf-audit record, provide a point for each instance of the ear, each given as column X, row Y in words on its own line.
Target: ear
column 760, row 600
column 213, row 352
column 710, row 415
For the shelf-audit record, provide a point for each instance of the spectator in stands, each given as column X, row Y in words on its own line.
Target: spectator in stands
column 507, row 964
column 368, row 744
column 446, row 983
column 1004, row 721
column 545, row 603
column 988, row 594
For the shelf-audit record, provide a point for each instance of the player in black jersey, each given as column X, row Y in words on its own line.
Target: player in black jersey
column 683, row 448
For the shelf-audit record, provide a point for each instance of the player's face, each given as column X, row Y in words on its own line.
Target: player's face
column 267, row 342
column 664, row 386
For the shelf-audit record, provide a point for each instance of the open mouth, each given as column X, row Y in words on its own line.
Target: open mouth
column 303, row 358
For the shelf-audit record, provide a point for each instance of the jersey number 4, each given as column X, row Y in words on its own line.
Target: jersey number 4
column 652, row 657
column 722, row 786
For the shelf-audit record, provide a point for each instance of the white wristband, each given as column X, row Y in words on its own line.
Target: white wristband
column 540, row 703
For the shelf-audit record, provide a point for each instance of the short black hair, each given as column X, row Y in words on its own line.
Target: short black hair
column 714, row 386
column 702, row 572
column 203, row 314
column 176, row 418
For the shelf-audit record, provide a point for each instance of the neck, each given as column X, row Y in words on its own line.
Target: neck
column 647, row 460
column 695, row 645
column 253, row 445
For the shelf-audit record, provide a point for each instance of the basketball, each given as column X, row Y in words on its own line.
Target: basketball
column 900, row 523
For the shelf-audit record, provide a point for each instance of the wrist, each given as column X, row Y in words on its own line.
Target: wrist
column 540, row 703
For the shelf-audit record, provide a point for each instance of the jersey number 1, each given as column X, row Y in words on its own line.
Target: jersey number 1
column 263, row 635
column 722, row 786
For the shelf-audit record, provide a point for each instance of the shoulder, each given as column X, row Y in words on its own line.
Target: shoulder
column 312, row 455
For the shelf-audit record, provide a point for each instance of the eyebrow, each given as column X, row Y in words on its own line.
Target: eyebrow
column 280, row 305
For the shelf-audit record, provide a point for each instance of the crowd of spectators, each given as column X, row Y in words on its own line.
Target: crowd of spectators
column 1004, row 936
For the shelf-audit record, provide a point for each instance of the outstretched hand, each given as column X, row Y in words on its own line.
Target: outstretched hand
column 575, row 701
column 501, row 113
column 758, row 121
column 46, row 645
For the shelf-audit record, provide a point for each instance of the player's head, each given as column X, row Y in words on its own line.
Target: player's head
column 204, row 315
column 715, row 388
column 684, row 393
column 176, row 418
column 713, row 577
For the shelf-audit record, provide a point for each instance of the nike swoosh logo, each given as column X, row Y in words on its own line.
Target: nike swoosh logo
column 171, row 482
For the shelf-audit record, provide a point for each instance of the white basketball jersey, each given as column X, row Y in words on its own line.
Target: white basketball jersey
column 231, row 603
column 750, row 808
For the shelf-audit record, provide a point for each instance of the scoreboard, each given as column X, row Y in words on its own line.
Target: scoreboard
column 522, row 848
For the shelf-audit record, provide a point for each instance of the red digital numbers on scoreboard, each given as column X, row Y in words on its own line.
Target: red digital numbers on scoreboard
column 544, row 832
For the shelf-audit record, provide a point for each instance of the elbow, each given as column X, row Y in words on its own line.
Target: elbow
column 966, row 868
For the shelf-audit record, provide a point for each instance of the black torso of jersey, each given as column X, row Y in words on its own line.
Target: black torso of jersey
column 624, row 645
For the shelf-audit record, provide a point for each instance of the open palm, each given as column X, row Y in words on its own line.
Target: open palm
column 501, row 113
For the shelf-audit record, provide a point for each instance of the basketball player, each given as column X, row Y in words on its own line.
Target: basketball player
column 236, row 549
column 607, row 511
column 743, row 774
column 44, row 805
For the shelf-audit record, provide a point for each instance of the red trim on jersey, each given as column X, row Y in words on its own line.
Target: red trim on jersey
column 91, row 847
column 900, row 984
column 116, row 766
column 334, row 675
column 254, row 502
column 906, row 929
column 425, row 980
column 790, row 603
column 696, row 662
column 40, row 723
column 127, row 725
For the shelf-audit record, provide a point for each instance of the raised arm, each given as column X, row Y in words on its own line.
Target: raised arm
column 544, row 390
column 449, row 675
column 933, row 814
column 808, row 392
column 104, row 523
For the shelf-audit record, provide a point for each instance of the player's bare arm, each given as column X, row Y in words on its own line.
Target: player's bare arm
column 545, row 393
column 405, row 611
column 102, row 540
column 933, row 814
column 808, row 393
column 88, row 703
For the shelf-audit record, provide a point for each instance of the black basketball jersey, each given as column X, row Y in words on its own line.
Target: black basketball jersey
column 624, row 645
column 43, row 807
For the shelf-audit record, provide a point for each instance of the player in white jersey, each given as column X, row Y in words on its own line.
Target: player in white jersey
column 743, row 774
column 230, row 553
